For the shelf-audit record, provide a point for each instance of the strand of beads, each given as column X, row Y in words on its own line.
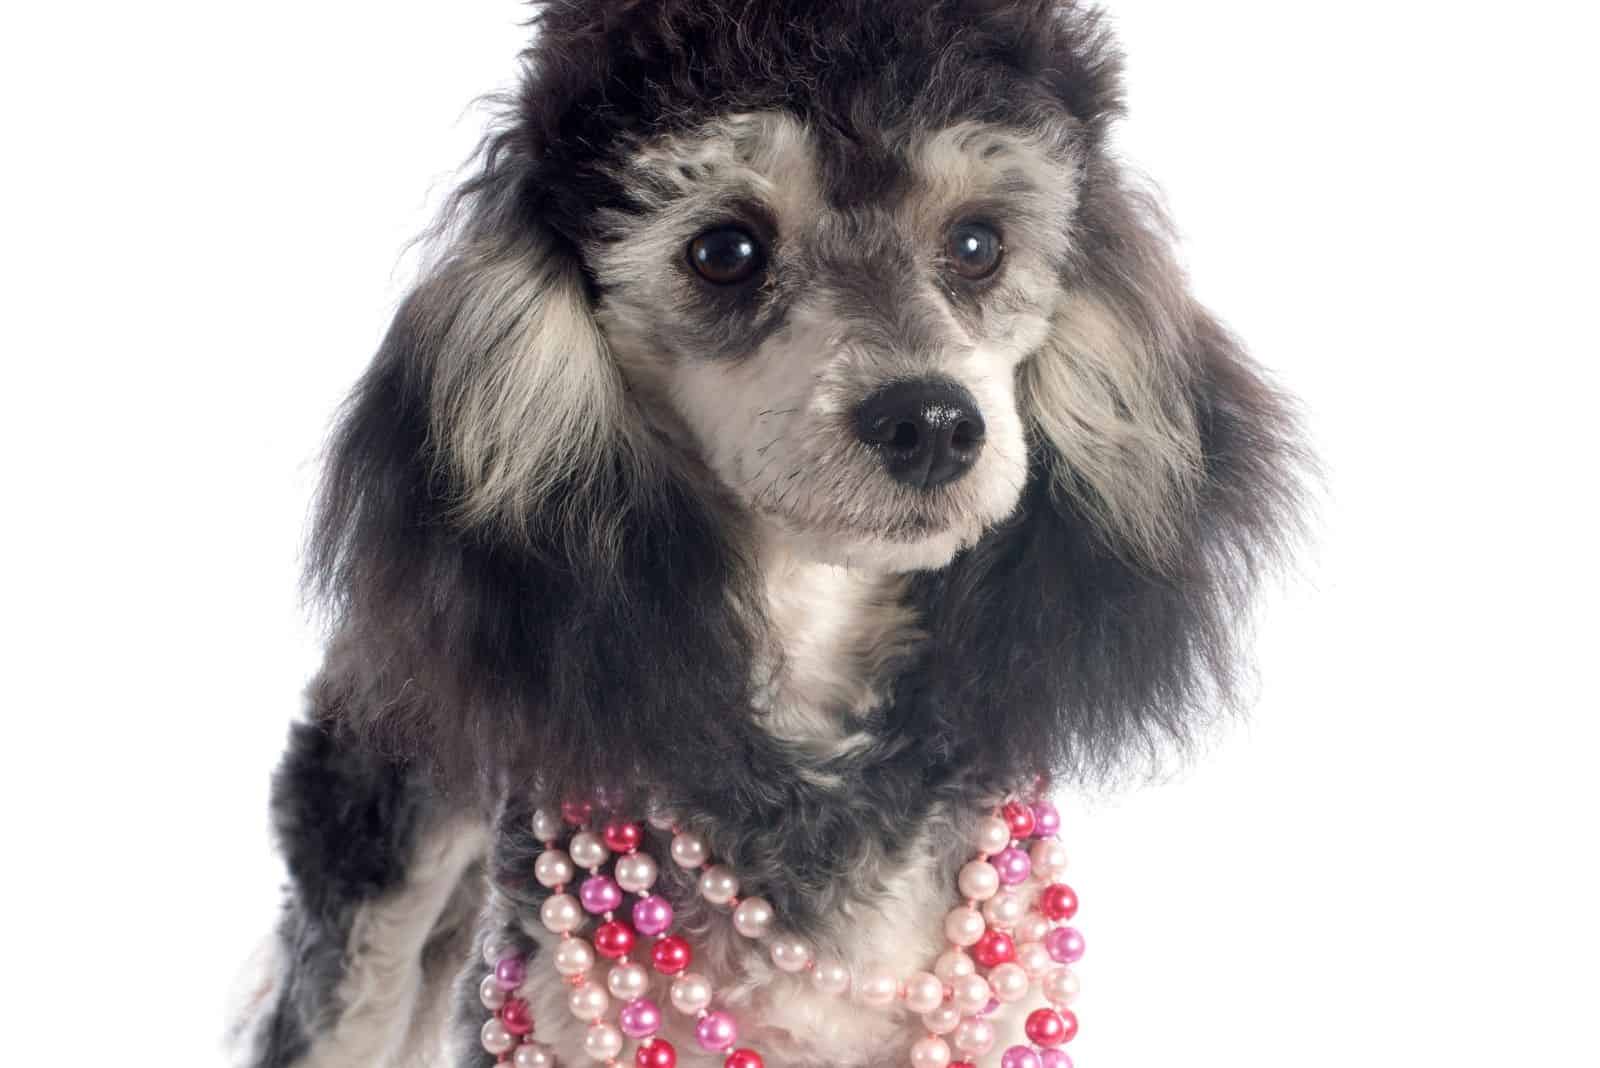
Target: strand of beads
column 601, row 896
column 954, row 1000
column 1015, row 945
column 508, row 1033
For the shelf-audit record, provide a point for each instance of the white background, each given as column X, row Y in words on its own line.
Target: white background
column 205, row 211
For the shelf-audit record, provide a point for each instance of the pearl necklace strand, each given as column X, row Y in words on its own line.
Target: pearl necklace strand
column 1017, row 946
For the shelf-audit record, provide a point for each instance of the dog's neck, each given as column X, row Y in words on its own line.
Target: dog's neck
column 834, row 634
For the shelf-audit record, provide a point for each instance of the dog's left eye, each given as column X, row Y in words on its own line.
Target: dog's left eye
column 975, row 249
column 725, row 256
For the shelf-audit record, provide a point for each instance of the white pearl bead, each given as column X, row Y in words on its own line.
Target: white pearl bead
column 753, row 918
column 660, row 819
column 1035, row 959
column 831, row 977
column 573, row 957
column 930, row 1052
column 963, row 925
column 718, row 884
column 1032, row 928
column 588, row 1002
column 688, row 850
column 690, row 993
column 533, row 1055
column 490, row 994
column 924, row 992
column 1004, row 911
column 588, row 851
column 975, row 1036
column 952, row 965
column 1049, row 858
column 495, row 947
column 943, row 1020
column 971, row 993
column 602, row 1042
column 546, row 825
column 790, row 955
column 993, row 835
column 561, row 914
column 627, row 981
column 978, row 880
column 878, row 989
column 636, row 873
column 496, row 1039
column 1009, row 982
column 1061, row 986
column 553, row 868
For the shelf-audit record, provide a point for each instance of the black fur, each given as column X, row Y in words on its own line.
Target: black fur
column 346, row 821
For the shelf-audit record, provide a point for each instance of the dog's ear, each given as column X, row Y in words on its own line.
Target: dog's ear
column 1107, row 615
column 510, row 580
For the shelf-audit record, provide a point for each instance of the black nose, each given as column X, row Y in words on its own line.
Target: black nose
column 928, row 431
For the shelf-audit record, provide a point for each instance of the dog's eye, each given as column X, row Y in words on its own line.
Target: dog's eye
column 974, row 250
column 725, row 256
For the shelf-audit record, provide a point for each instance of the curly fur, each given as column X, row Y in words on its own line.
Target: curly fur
column 536, row 583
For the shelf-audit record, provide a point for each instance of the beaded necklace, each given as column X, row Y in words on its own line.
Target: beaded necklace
column 999, row 950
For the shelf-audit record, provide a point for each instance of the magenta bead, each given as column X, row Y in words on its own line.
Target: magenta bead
column 600, row 894
column 1013, row 865
column 1065, row 945
column 716, row 1032
column 510, row 972
column 1054, row 1058
column 1020, row 1057
column 640, row 1018
column 652, row 914
column 1046, row 819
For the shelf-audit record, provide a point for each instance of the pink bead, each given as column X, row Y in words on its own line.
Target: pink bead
column 1045, row 1027
column 1013, row 865
column 652, row 915
column 1054, row 1058
column 1046, row 819
column 640, row 1018
column 1020, row 1057
column 517, row 1017
column 509, row 972
column 600, row 894
column 716, row 1032
column 1019, row 817
column 1065, row 945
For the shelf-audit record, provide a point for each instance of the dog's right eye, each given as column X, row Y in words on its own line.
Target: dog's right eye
column 725, row 256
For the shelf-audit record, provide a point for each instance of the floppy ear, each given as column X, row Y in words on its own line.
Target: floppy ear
column 1106, row 616
column 511, row 581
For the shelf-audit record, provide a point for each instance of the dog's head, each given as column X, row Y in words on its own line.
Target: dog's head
column 858, row 274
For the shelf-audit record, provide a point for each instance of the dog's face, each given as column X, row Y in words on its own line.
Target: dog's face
column 844, row 361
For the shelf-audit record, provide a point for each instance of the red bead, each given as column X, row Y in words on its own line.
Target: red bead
column 994, row 949
column 1019, row 817
column 1069, row 1024
column 622, row 837
column 576, row 813
column 1045, row 1027
column 516, row 1017
column 743, row 1058
column 657, row 1053
column 613, row 939
column 1059, row 902
column 671, row 955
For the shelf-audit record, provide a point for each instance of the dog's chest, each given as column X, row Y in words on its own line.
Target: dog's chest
column 833, row 635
